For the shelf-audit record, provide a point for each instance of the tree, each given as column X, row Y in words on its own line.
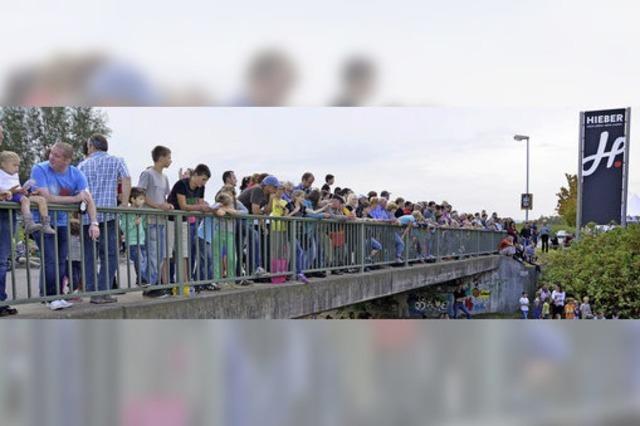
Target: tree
column 568, row 200
column 85, row 121
column 13, row 121
column 30, row 132
column 604, row 266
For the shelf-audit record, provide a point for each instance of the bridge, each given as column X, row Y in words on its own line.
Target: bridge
column 373, row 260
column 504, row 278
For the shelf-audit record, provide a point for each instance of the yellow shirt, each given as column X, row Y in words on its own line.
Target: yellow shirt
column 278, row 210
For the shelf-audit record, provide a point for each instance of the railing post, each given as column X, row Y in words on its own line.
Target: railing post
column 292, row 247
column 363, row 246
column 177, row 257
column 406, row 233
column 478, row 245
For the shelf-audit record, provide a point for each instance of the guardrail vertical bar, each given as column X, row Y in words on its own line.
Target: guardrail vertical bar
column 56, row 254
column 177, row 257
column 12, row 254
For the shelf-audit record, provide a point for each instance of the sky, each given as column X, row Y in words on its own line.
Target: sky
column 483, row 70
column 466, row 156
column 529, row 53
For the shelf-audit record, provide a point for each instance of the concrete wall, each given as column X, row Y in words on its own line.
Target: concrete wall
column 514, row 278
column 494, row 291
column 290, row 300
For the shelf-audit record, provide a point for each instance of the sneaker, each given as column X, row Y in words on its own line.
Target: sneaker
column 303, row 278
column 5, row 311
column 65, row 304
column 56, row 305
column 162, row 294
column 47, row 229
column 102, row 300
column 30, row 228
column 212, row 287
column 260, row 271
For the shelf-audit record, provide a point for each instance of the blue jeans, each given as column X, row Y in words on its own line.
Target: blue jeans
column 462, row 307
column 310, row 251
column 525, row 314
column 399, row 246
column 47, row 245
column 193, row 242
column 375, row 244
column 156, row 252
column 5, row 250
column 205, row 261
column 138, row 255
column 254, row 258
column 299, row 258
column 106, row 250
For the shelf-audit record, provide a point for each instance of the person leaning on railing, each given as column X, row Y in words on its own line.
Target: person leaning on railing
column 506, row 247
column 156, row 185
column 256, row 200
column 60, row 183
column 187, row 195
column 103, row 171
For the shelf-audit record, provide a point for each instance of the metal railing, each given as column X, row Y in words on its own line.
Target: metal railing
column 142, row 250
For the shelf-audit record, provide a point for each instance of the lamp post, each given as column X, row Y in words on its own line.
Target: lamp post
column 520, row 138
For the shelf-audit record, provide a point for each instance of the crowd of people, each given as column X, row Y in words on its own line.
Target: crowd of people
column 102, row 181
column 557, row 304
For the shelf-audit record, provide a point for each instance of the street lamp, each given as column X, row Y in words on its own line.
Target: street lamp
column 521, row 138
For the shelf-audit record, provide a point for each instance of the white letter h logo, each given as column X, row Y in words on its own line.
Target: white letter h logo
column 617, row 148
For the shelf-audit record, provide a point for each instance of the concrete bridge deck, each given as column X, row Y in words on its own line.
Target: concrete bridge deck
column 271, row 301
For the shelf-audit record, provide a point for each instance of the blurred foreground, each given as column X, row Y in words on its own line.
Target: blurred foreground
column 319, row 373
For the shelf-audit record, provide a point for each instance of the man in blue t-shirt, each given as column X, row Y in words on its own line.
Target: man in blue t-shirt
column 59, row 183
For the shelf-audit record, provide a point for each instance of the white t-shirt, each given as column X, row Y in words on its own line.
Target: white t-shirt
column 524, row 304
column 558, row 297
column 8, row 181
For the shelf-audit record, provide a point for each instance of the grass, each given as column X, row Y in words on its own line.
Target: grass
column 500, row 315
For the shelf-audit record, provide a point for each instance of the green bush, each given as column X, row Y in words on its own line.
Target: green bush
column 603, row 266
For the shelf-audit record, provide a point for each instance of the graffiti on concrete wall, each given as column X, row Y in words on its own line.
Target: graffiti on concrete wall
column 428, row 304
column 479, row 300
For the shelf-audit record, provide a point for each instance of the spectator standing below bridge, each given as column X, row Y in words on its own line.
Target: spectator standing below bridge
column 103, row 171
column 459, row 297
column 524, row 305
column 61, row 183
column 585, row 309
column 557, row 300
column 156, row 186
column 545, row 232
column 525, row 233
